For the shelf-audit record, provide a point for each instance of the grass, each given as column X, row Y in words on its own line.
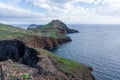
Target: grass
column 10, row 32
column 25, row 76
column 9, row 28
column 48, row 31
column 68, row 66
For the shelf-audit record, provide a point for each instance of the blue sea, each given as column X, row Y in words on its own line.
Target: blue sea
column 97, row 46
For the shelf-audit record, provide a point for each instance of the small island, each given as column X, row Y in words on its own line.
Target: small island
column 24, row 54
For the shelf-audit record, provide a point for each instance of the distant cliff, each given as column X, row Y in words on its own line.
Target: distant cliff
column 60, row 24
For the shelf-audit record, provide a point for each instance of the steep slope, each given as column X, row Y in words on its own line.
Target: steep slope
column 72, row 69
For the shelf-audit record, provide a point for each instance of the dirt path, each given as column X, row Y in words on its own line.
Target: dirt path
column 48, row 65
column 52, row 68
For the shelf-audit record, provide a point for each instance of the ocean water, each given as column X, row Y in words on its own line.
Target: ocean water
column 97, row 46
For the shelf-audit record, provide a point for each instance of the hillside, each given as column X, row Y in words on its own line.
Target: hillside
column 19, row 60
column 60, row 24
column 55, row 28
column 11, row 32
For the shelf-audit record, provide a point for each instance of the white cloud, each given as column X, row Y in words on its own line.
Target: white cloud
column 108, row 11
column 8, row 10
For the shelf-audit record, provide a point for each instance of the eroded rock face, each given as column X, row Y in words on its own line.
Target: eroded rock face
column 47, row 42
column 18, row 52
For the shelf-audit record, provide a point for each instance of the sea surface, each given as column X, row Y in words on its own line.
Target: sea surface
column 97, row 46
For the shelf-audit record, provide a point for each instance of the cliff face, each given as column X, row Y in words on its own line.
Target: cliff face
column 47, row 42
column 18, row 52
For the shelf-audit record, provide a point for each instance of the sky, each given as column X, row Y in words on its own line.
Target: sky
column 68, row 11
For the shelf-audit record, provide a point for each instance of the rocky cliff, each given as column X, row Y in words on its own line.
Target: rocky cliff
column 18, row 52
column 47, row 42
column 20, row 62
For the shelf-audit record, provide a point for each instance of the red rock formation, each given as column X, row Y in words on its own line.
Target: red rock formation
column 47, row 42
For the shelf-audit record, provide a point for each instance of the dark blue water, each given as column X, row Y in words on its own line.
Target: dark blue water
column 97, row 46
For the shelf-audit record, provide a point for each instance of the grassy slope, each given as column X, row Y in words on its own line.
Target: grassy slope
column 10, row 32
column 46, row 30
column 69, row 66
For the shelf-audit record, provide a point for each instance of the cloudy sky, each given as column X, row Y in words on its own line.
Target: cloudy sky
column 69, row 11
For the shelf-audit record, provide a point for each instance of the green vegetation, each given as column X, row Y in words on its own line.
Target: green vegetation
column 15, row 67
column 68, row 66
column 49, row 32
column 25, row 76
column 10, row 32
column 10, row 28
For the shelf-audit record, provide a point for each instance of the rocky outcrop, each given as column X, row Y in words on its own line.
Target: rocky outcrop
column 18, row 52
column 60, row 24
column 47, row 42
